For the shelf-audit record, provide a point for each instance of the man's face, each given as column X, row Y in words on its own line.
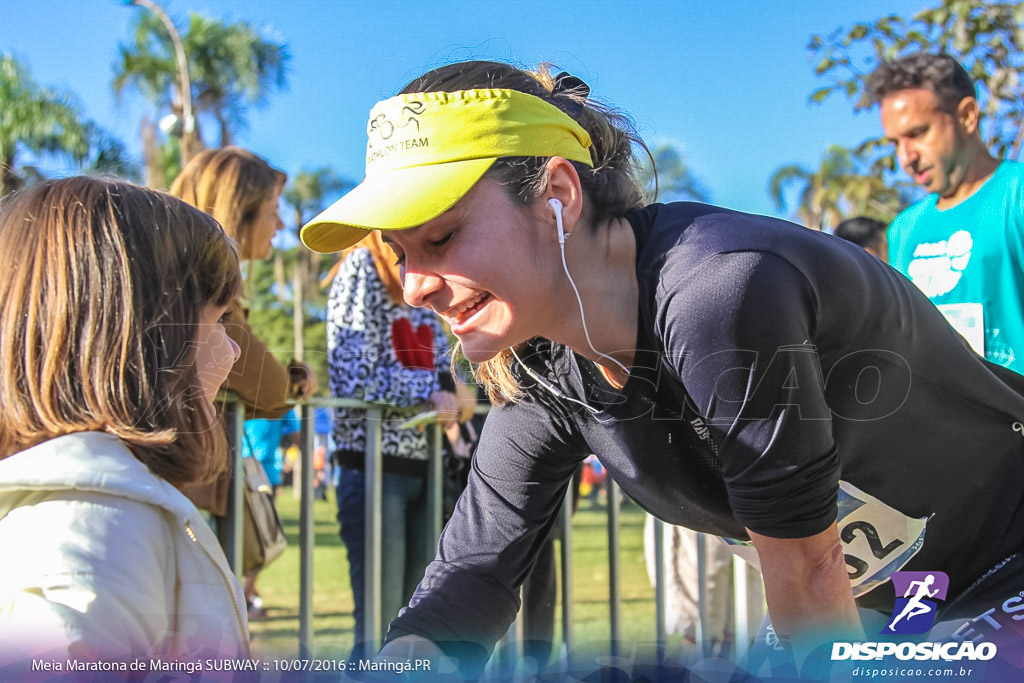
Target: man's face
column 931, row 143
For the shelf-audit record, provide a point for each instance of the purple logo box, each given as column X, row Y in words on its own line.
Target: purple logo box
column 901, row 582
column 915, row 607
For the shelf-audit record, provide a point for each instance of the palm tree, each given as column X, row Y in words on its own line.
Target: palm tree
column 842, row 187
column 231, row 67
column 109, row 155
column 306, row 195
column 667, row 177
column 309, row 191
column 40, row 120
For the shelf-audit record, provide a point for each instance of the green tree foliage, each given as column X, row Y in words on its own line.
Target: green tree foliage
column 840, row 188
column 48, row 122
column 231, row 67
column 986, row 37
column 35, row 119
column 270, row 311
column 272, row 314
column 309, row 191
column 109, row 155
column 307, row 195
column 667, row 177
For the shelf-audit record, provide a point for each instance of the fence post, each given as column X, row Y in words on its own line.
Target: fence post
column 659, row 587
column 567, row 597
column 614, row 575
column 307, row 537
column 372, row 578
column 229, row 527
column 702, row 595
column 435, row 486
column 740, row 609
column 510, row 652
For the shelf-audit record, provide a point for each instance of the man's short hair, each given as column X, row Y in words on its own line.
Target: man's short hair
column 865, row 232
column 939, row 73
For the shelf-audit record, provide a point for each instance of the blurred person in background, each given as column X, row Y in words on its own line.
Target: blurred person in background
column 865, row 232
column 963, row 244
column 241, row 191
column 266, row 440
column 381, row 349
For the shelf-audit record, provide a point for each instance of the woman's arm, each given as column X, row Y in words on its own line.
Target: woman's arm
column 470, row 593
column 754, row 374
column 808, row 590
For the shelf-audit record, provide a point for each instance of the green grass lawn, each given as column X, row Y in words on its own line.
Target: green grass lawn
column 277, row 633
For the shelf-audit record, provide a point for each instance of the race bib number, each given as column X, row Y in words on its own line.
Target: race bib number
column 969, row 321
column 877, row 539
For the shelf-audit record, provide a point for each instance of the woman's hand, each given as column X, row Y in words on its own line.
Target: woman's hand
column 302, row 381
column 409, row 649
column 447, row 406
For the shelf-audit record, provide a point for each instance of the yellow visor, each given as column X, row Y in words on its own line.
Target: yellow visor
column 426, row 150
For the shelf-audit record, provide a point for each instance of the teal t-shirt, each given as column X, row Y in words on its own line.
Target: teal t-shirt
column 969, row 260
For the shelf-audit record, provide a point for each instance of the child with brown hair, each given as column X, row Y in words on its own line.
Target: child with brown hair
column 111, row 355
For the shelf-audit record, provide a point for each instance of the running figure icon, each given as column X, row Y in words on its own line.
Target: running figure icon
column 915, row 607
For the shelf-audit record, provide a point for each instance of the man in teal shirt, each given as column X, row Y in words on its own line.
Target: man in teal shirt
column 963, row 245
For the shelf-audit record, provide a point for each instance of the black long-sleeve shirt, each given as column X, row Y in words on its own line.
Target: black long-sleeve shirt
column 782, row 378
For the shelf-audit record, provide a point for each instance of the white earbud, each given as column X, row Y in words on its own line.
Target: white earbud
column 556, row 206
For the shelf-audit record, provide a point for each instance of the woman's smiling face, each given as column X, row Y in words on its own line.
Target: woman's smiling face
column 479, row 268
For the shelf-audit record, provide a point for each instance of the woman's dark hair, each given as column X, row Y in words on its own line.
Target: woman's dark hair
column 610, row 187
column 862, row 231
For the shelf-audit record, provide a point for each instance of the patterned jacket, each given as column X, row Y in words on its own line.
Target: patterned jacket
column 381, row 351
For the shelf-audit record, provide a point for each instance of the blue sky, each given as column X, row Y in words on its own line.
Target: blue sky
column 726, row 81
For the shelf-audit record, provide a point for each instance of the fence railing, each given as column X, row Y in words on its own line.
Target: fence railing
column 230, row 533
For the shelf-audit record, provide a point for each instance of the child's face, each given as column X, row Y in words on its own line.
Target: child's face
column 216, row 352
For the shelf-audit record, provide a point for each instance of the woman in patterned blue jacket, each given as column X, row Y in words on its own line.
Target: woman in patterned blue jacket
column 382, row 350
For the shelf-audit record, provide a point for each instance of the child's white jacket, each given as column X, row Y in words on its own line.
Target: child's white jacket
column 103, row 560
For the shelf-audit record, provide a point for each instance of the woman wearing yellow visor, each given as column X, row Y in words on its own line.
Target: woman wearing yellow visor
column 725, row 368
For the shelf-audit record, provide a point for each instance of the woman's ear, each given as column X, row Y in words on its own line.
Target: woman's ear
column 564, row 185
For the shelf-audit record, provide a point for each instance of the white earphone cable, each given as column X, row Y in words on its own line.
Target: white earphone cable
column 551, row 388
column 579, row 300
column 557, row 208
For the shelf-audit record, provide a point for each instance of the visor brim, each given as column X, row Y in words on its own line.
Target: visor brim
column 394, row 200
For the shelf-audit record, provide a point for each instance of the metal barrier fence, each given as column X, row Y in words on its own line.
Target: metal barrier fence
column 230, row 533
